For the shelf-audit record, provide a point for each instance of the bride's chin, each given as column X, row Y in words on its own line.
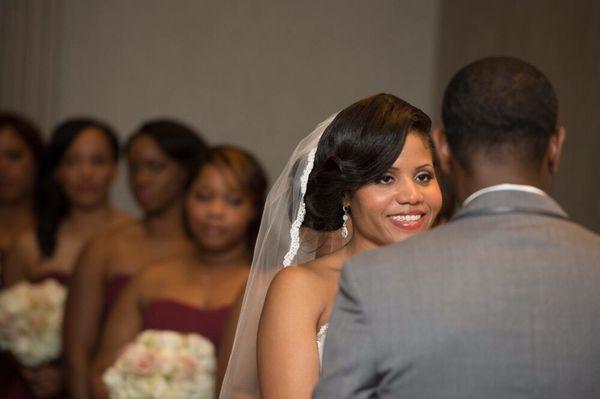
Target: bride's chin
column 402, row 234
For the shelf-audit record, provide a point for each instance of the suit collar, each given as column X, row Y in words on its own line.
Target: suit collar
column 516, row 199
column 503, row 187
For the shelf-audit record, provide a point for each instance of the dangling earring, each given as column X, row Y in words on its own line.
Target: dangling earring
column 345, row 219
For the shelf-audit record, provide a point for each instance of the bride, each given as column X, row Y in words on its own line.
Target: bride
column 364, row 178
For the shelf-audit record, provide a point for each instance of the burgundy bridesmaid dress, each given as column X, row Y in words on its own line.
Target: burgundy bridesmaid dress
column 19, row 389
column 112, row 289
column 7, row 370
column 166, row 314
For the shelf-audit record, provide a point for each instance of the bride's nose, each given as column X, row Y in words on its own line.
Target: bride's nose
column 409, row 192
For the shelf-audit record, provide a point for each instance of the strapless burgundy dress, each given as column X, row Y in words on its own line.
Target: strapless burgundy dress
column 19, row 389
column 7, row 371
column 112, row 289
column 165, row 314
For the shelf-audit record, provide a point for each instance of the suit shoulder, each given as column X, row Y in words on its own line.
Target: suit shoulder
column 396, row 265
column 395, row 253
column 583, row 234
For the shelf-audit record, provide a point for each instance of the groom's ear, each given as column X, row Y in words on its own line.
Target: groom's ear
column 442, row 149
column 555, row 146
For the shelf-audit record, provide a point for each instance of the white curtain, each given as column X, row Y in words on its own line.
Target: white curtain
column 30, row 32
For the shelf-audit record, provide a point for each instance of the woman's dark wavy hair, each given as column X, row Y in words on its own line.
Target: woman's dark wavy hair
column 359, row 146
column 53, row 205
column 178, row 141
column 249, row 175
column 31, row 136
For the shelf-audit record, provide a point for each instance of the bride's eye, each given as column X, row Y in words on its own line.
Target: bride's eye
column 424, row 177
column 385, row 179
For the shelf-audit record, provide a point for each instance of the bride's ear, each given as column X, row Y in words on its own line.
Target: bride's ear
column 442, row 149
column 346, row 199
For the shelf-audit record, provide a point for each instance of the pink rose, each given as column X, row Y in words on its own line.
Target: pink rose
column 187, row 367
column 37, row 322
column 142, row 362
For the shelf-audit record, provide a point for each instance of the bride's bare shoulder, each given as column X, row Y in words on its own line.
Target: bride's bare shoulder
column 295, row 277
column 308, row 280
column 295, row 293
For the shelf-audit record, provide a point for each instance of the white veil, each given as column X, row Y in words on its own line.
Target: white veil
column 281, row 242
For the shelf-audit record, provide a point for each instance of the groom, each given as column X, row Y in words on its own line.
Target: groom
column 501, row 302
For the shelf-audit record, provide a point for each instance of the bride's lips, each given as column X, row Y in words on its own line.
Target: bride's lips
column 412, row 220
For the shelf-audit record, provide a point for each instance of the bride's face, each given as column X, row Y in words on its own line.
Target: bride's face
column 401, row 203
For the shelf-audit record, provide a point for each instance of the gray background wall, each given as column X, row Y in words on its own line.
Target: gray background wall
column 261, row 74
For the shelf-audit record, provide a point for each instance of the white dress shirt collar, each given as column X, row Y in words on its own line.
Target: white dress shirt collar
column 504, row 187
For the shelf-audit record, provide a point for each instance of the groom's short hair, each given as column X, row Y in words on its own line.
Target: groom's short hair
column 499, row 107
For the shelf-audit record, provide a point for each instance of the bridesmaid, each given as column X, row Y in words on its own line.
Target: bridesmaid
column 79, row 166
column 162, row 157
column 21, row 151
column 193, row 294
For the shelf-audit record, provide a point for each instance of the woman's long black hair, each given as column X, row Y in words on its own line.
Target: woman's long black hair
column 31, row 136
column 53, row 206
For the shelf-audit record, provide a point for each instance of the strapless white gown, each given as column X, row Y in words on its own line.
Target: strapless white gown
column 321, row 341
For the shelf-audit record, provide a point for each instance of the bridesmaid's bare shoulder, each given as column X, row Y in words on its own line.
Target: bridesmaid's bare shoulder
column 153, row 278
column 21, row 258
column 26, row 246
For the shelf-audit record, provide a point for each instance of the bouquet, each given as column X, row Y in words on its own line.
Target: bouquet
column 31, row 321
column 163, row 364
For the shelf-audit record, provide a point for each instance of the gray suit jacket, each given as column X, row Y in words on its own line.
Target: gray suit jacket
column 496, row 306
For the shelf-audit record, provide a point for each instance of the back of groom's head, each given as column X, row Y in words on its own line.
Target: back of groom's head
column 499, row 109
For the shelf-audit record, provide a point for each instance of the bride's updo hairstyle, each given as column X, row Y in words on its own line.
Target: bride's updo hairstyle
column 359, row 146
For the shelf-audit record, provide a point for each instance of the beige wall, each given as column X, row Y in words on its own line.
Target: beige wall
column 260, row 74
column 562, row 38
